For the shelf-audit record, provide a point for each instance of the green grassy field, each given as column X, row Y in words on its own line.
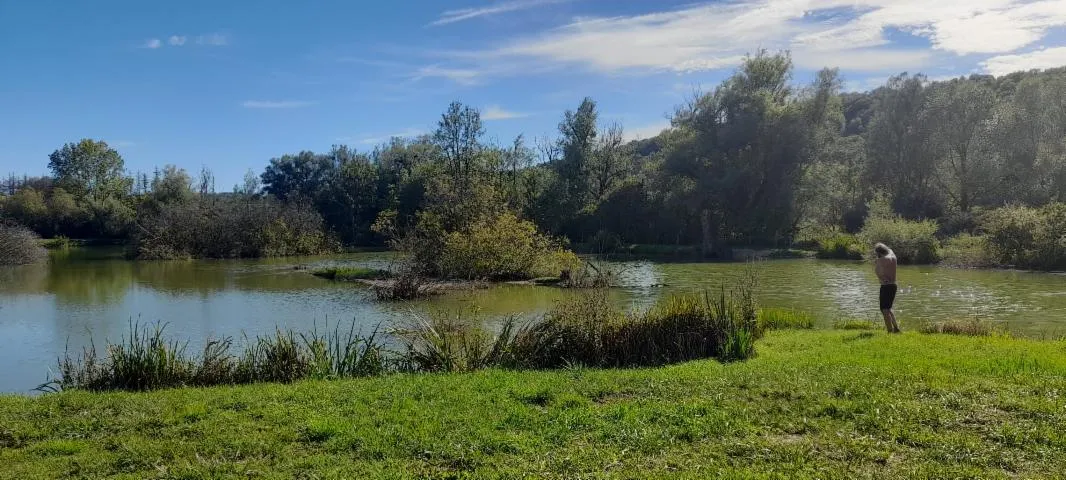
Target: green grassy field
column 812, row 404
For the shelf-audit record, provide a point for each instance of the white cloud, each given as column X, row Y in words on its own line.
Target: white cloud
column 855, row 35
column 276, row 104
column 461, row 76
column 212, row 39
column 379, row 139
column 152, row 43
column 1037, row 59
column 458, row 15
column 176, row 40
column 495, row 112
column 646, row 131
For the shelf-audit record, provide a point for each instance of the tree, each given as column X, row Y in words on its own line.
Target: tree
column 957, row 113
column 458, row 136
column 89, row 168
column 293, row 176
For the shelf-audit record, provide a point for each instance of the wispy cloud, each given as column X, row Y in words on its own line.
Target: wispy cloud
column 871, row 36
column 379, row 139
column 466, row 77
column 276, row 104
column 495, row 112
column 208, row 40
column 459, row 15
column 213, row 39
column 1037, row 59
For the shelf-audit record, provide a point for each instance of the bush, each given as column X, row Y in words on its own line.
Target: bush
column 967, row 250
column 913, row 242
column 349, row 274
column 1027, row 237
column 229, row 228
column 500, row 247
column 19, row 246
column 841, row 246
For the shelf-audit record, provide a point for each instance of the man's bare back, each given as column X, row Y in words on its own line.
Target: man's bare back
column 885, row 268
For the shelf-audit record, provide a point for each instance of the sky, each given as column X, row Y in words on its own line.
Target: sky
column 231, row 84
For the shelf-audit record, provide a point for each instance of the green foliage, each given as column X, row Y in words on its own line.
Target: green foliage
column 974, row 327
column 973, row 407
column 503, row 248
column 843, row 246
column 229, row 228
column 89, row 168
column 57, row 243
column 781, row 319
column 589, row 330
column 913, row 242
column 451, row 343
column 348, row 274
column 855, row 324
column 19, row 245
column 146, row 360
column 965, row 250
column 1027, row 237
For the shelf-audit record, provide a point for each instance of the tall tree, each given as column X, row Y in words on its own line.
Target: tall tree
column 89, row 168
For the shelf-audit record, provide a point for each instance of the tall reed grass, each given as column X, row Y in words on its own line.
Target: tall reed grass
column 145, row 360
column 586, row 330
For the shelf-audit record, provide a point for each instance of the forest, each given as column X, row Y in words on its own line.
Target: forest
column 969, row 171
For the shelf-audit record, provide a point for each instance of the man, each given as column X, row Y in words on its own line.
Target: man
column 885, row 267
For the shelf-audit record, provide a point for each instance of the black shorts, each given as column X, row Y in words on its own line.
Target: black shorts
column 888, row 296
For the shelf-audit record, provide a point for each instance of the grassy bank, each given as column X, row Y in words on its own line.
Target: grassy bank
column 825, row 404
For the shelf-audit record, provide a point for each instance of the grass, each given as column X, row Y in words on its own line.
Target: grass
column 784, row 318
column 350, row 274
column 974, row 327
column 855, row 324
column 812, row 404
column 145, row 360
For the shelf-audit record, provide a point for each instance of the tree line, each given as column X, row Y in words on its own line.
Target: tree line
column 757, row 160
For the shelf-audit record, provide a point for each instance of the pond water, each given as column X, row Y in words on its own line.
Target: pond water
column 49, row 307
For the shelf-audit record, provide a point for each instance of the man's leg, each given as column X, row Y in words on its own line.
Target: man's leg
column 889, row 321
column 895, row 324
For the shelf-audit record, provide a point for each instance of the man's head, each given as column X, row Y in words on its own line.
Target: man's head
column 881, row 249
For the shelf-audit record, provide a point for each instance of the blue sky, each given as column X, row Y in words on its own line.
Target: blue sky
column 231, row 84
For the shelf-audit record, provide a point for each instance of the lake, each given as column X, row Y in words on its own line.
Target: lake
column 47, row 307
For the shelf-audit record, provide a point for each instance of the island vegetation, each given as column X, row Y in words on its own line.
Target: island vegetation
column 967, row 171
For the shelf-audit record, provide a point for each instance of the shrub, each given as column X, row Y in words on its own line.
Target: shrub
column 780, row 319
column 19, row 246
column 839, row 245
column 912, row 241
column 1027, row 237
column 967, row 250
column 501, row 248
column 348, row 274
column 229, row 228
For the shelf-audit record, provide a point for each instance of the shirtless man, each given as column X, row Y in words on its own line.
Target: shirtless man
column 885, row 267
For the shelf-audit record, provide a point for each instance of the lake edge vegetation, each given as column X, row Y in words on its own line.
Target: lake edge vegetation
column 824, row 403
column 944, row 171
